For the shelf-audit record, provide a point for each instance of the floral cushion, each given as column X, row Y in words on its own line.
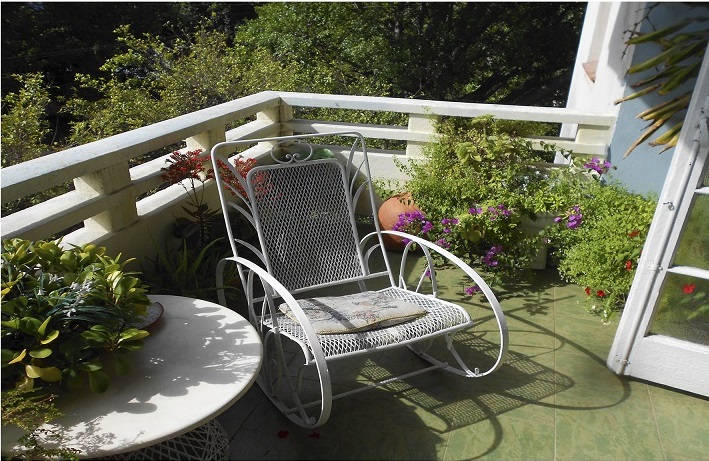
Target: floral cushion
column 356, row 312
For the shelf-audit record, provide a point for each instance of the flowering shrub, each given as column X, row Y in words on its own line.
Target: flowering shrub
column 187, row 169
column 489, row 236
column 601, row 251
column 476, row 185
column 573, row 217
column 414, row 223
column 601, row 167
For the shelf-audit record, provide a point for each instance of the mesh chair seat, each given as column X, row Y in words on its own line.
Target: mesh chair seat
column 442, row 317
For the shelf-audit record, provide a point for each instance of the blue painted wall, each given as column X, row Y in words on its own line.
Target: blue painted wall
column 644, row 170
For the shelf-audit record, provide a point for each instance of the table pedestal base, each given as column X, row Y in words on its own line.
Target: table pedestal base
column 207, row 442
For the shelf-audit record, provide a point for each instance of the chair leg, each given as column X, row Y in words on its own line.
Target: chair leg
column 462, row 369
column 299, row 388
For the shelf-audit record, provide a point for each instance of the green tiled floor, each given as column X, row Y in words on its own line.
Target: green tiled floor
column 554, row 399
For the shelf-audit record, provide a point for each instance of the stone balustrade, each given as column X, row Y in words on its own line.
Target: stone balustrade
column 115, row 204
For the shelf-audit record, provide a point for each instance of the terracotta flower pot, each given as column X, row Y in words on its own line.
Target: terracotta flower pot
column 389, row 214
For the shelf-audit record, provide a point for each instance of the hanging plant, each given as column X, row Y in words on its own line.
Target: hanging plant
column 677, row 63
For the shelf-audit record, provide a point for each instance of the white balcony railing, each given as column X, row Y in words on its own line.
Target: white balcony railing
column 105, row 196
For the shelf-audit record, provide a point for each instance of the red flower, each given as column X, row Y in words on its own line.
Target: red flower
column 186, row 165
column 314, row 435
column 588, row 291
column 242, row 166
column 600, row 293
column 688, row 288
column 634, row 234
column 628, row 265
column 282, row 434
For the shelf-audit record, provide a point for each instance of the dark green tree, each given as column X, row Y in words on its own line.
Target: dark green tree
column 515, row 53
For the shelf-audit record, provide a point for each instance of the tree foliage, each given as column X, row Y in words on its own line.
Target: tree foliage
column 24, row 123
column 461, row 51
column 181, row 57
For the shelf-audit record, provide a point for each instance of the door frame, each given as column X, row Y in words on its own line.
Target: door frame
column 665, row 360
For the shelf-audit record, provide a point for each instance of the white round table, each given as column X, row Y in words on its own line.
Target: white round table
column 199, row 359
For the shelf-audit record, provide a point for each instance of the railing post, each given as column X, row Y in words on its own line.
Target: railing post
column 277, row 115
column 108, row 181
column 206, row 140
column 420, row 123
column 593, row 134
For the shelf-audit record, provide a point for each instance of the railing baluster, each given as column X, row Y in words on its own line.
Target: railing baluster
column 420, row 123
column 122, row 213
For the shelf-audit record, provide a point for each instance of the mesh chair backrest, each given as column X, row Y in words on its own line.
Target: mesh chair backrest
column 305, row 218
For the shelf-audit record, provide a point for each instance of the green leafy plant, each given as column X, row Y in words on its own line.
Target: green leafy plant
column 67, row 313
column 29, row 410
column 482, row 181
column 677, row 63
column 64, row 311
column 600, row 248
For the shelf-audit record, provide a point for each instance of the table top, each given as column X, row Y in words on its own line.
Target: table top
column 199, row 359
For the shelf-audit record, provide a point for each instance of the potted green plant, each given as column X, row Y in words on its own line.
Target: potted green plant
column 70, row 316
column 489, row 192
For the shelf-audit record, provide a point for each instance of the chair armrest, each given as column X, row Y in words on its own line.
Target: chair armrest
column 274, row 289
column 428, row 247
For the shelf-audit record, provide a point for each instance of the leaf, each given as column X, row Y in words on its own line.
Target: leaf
column 662, row 108
column 50, row 337
column 650, row 130
column 41, row 353
column 667, row 137
column 680, row 77
column 98, row 381
column 91, row 366
column 132, row 334
column 666, row 72
column 122, row 366
column 19, row 357
column 691, row 50
column 654, row 61
column 32, row 371
column 42, row 328
column 656, row 35
column 50, row 374
column 638, row 94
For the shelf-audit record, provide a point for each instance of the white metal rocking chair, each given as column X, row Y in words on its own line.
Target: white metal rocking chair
column 307, row 206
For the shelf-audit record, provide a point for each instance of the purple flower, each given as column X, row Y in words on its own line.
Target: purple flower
column 489, row 257
column 472, row 290
column 475, row 210
column 601, row 167
column 412, row 222
column 443, row 243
